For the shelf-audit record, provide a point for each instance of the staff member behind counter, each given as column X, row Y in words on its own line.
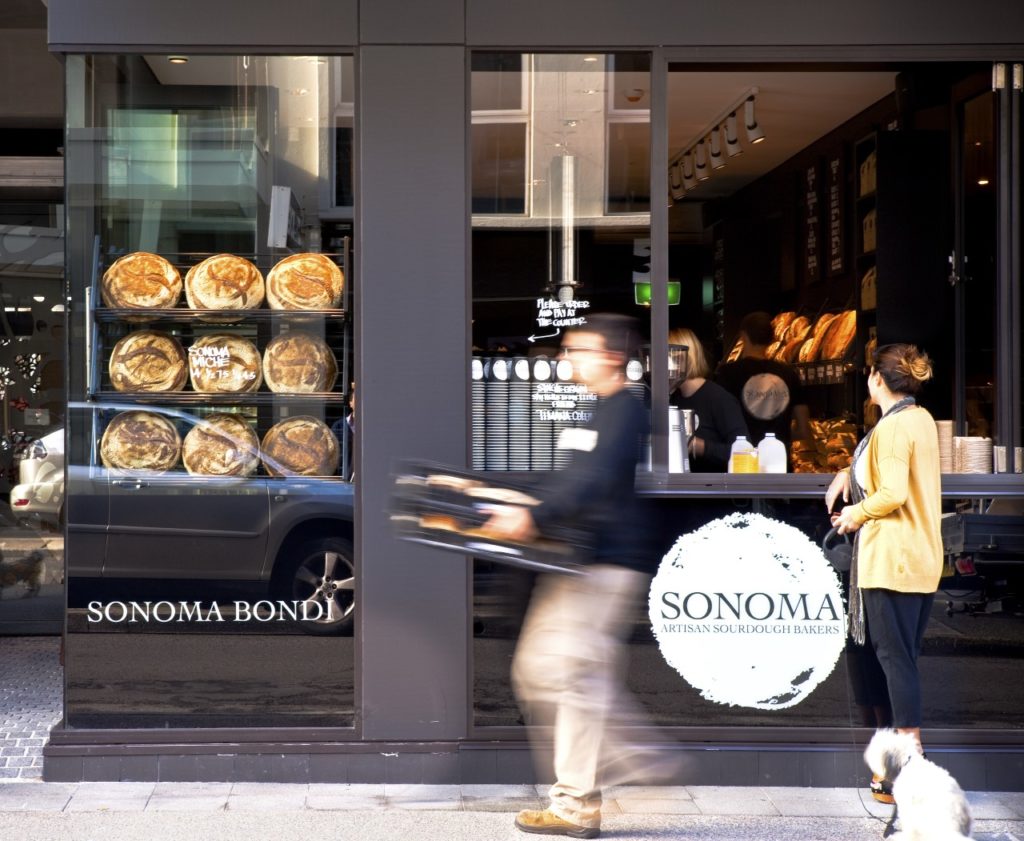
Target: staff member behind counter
column 720, row 418
column 769, row 391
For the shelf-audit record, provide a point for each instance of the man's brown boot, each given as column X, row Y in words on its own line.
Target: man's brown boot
column 545, row 822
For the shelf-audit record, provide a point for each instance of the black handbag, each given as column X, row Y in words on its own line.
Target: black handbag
column 838, row 553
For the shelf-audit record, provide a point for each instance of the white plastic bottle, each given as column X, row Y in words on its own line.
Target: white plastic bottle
column 742, row 456
column 771, row 455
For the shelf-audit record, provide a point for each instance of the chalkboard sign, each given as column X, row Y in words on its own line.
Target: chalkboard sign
column 836, row 185
column 811, row 188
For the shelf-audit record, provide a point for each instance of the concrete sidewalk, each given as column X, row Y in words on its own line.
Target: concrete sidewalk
column 33, row 811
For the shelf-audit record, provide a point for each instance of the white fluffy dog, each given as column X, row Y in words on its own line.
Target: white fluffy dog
column 930, row 804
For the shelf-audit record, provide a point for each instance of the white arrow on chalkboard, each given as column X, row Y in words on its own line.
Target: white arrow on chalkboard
column 545, row 336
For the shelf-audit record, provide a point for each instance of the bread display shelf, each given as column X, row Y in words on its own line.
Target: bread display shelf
column 196, row 398
column 222, row 317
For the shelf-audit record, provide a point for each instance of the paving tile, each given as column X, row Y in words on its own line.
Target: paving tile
column 663, row 806
column 110, row 797
column 434, row 797
column 189, row 797
column 648, row 793
column 727, row 800
column 35, row 797
column 339, row 796
column 991, row 806
column 267, row 797
column 1012, row 800
column 820, row 802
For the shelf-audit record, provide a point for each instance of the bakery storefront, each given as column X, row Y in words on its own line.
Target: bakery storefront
column 268, row 214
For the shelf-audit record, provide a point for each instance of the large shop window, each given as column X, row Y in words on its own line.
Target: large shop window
column 561, row 228
column 852, row 207
column 211, row 574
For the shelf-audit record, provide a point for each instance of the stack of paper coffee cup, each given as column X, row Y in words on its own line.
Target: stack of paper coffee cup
column 972, row 454
column 945, row 428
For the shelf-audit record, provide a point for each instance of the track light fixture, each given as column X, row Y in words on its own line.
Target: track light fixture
column 755, row 134
column 689, row 176
column 732, row 138
column 704, row 152
column 715, row 142
column 703, row 170
column 676, row 181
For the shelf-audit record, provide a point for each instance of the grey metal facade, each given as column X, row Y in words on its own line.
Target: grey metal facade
column 412, row 315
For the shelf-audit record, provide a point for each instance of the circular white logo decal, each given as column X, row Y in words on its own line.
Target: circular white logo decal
column 749, row 612
column 765, row 396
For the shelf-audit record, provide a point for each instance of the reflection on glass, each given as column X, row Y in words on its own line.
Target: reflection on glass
column 979, row 219
column 561, row 228
column 32, row 354
column 210, row 437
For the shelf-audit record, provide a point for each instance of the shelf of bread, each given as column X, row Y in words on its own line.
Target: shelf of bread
column 829, row 449
column 193, row 398
column 143, row 444
column 186, row 314
column 222, row 282
column 799, row 340
column 218, row 365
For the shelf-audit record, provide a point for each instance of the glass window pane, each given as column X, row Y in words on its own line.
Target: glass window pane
column 210, row 501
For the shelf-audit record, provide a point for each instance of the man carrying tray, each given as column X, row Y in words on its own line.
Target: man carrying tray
column 569, row 662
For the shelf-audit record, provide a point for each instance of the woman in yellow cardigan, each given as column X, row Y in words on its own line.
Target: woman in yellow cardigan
column 895, row 485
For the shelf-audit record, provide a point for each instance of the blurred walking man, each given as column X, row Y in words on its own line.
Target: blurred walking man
column 570, row 661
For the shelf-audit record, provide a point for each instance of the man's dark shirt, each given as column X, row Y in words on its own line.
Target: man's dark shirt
column 595, row 492
column 767, row 391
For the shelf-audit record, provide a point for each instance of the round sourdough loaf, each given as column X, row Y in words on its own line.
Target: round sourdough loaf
column 299, row 362
column 224, row 363
column 224, row 282
column 300, row 446
column 148, row 360
column 140, row 440
column 141, row 281
column 305, row 282
column 221, row 445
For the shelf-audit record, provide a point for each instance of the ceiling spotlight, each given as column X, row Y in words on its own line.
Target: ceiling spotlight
column 732, row 138
column 675, row 180
column 689, row 177
column 178, row 59
column 717, row 158
column 755, row 134
column 702, row 162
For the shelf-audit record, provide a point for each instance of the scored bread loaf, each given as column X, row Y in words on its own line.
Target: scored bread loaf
column 781, row 322
column 299, row 362
column 140, row 440
column 811, row 348
column 221, row 445
column 839, row 336
column 224, row 282
column 799, row 329
column 305, row 282
column 148, row 360
column 300, row 446
column 141, row 281
column 224, row 363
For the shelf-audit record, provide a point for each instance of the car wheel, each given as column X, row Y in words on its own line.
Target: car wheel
column 322, row 575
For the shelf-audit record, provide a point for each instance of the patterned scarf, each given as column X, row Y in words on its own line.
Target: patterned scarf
column 856, row 617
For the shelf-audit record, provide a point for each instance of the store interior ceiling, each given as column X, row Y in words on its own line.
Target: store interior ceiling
column 22, row 14
column 793, row 108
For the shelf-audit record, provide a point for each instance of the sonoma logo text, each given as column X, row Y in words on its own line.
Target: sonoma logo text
column 169, row 612
column 758, row 607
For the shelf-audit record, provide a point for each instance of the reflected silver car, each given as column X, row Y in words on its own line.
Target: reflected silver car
column 39, row 494
column 289, row 536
